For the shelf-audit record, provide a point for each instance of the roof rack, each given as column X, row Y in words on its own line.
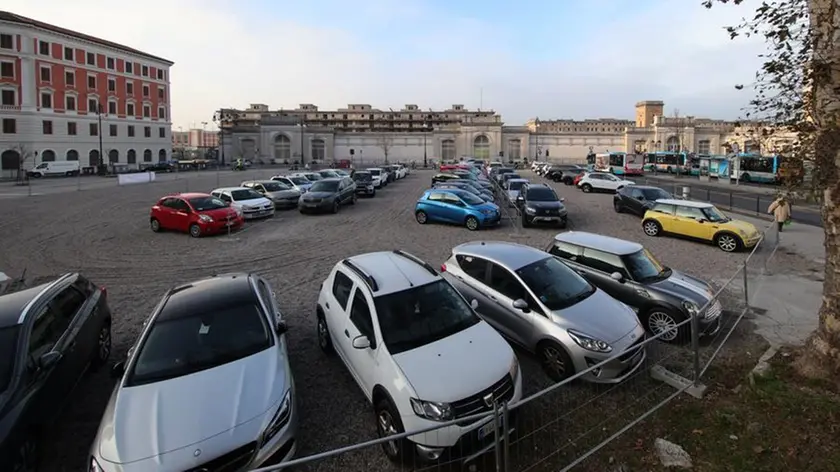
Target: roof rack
column 369, row 280
column 416, row 259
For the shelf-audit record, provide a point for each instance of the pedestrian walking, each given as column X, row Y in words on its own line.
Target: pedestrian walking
column 780, row 209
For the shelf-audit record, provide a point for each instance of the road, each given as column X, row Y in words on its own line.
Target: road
column 743, row 201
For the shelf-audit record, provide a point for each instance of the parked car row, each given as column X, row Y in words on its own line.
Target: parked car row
column 461, row 195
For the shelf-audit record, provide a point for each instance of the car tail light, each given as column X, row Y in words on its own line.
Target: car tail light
column 443, row 267
column 104, row 291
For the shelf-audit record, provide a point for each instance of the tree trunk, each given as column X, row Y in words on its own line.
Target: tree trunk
column 821, row 356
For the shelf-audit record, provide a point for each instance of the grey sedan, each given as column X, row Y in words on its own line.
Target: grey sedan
column 283, row 195
column 328, row 195
column 538, row 302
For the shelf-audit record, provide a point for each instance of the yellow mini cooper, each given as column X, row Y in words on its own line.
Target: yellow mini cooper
column 702, row 221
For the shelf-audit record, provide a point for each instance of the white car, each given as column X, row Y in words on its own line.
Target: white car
column 248, row 201
column 418, row 352
column 379, row 176
column 208, row 385
column 602, row 182
column 53, row 168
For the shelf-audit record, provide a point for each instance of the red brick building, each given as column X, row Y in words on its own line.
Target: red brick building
column 69, row 96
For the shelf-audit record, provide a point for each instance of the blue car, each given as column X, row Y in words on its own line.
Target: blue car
column 456, row 206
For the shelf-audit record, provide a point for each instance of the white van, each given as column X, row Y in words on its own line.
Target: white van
column 46, row 169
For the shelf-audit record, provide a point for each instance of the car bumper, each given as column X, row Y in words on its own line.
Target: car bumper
column 709, row 323
column 254, row 215
column 751, row 242
column 365, row 190
column 616, row 371
column 221, row 226
column 320, row 206
column 491, row 220
column 547, row 219
column 285, row 204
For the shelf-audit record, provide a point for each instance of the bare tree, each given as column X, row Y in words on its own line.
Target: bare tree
column 385, row 143
column 798, row 89
column 24, row 154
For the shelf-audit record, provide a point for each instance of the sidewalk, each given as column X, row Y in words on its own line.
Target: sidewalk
column 723, row 185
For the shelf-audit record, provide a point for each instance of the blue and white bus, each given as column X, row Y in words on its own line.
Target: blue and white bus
column 670, row 162
column 755, row 168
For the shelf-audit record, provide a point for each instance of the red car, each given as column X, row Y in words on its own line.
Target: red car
column 196, row 213
column 577, row 178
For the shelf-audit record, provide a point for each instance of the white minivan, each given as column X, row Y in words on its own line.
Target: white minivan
column 47, row 169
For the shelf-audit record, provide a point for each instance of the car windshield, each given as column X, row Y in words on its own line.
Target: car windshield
column 299, row 180
column 184, row 345
column 541, row 194
column 515, row 185
column 714, row 215
column 245, row 194
column 512, row 176
column 375, row 172
column 555, row 284
column 643, row 267
column 313, row 177
column 207, row 203
column 324, row 186
column 362, row 176
column 8, row 348
column 422, row 315
column 275, row 186
column 654, row 194
column 470, row 199
column 328, row 173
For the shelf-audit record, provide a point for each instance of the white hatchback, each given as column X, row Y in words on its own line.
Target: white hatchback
column 249, row 202
column 419, row 353
column 602, row 182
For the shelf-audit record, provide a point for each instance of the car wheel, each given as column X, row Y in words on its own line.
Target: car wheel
column 662, row 322
column 388, row 423
column 555, row 361
column 617, row 206
column 195, row 230
column 728, row 242
column 353, row 199
column 103, row 346
column 373, row 194
column 525, row 222
column 336, row 206
column 586, row 188
column 155, row 225
column 25, row 457
column 421, row 217
column 472, row 223
column 324, row 341
column 652, row 228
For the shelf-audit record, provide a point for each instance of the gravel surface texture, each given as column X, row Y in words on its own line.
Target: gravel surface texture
column 103, row 232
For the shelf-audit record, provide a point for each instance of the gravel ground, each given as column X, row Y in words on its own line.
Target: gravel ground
column 103, row 232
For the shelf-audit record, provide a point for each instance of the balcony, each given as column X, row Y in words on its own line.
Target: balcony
column 9, row 108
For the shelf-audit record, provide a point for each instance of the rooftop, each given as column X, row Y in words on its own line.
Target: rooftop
column 599, row 242
column 512, row 255
column 393, row 272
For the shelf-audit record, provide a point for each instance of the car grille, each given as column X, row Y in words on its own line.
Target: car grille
column 548, row 212
column 714, row 310
column 233, row 461
column 501, row 391
column 632, row 350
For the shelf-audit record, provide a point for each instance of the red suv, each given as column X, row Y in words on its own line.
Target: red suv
column 196, row 213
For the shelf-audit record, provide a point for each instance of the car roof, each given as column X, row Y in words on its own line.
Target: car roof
column 538, row 185
column 511, row 255
column 12, row 304
column 188, row 195
column 374, row 168
column 207, row 295
column 685, row 203
column 393, row 272
column 332, row 179
column 647, row 187
column 361, row 172
column 518, row 180
column 599, row 242
column 261, row 181
column 453, row 191
column 230, row 189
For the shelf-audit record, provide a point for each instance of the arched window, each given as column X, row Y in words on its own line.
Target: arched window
column 282, row 147
column 132, row 156
column 93, row 158
column 447, row 150
column 72, row 155
column 481, row 147
column 113, row 156
column 147, row 155
column 162, row 155
column 48, row 156
column 673, row 144
column 514, row 150
column 10, row 160
column 319, row 149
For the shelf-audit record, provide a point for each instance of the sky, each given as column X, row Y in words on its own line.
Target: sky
column 542, row 58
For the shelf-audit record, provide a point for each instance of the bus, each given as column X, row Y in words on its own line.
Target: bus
column 756, row 168
column 618, row 163
column 670, row 162
column 590, row 161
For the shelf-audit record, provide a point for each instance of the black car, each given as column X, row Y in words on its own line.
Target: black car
column 558, row 172
column 364, row 183
column 443, row 177
column 49, row 336
column 638, row 199
column 328, row 195
column 165, row 166
column 539, row 204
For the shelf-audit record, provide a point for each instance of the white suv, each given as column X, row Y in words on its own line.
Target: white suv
column 602, row 182
column 419, row 353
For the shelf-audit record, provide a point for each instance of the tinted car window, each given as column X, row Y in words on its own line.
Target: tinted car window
column 565, row 250
column 502, row 281
column 181, row 346
column 541, row 194
column 67, row 303
column 644, row 267
column 475, row 267
column 555, row 284
column 470, row 199
column 180, row 205
column 46, row 331
column 360, row 316
column 515, row 185
column 653, row 194
column 605, row 262
column 245, row 194
column 8, row 354
column 207, row 203
column 324, row 186
column 362, row 176
column 299, row 180
column 275, row 186
column 168, row 202
column 341, row 288
column 663, row 208
column 436, row 196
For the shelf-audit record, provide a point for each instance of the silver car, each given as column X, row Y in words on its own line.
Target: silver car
column 208, row 385
column 512, row 188
column 537, row 301
column 283, row 196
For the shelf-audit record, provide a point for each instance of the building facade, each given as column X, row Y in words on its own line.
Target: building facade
column 70, row 96
column 361, row 132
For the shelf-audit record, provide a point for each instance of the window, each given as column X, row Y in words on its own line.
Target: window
column 93, row 105
column 554, row 284
column 132, row 156
column 129, row 88
column 147, row 157
column 91, row 59
column 112, row 107
column 690, row 212
column 47, row 127
column 129, row 109
column 94, row 129
column 112, row 130
column 70, row 103
column 162, row 115
column 129, row 67
column 361, row 319
column 68, row 53
column 145, row 71
column 71, row 128
column 565, row 250
column 704, row 147
column 112, row 85
column 8, row 98
column 147, row 111
column 44, row 48
column 145, row 91
column 644, row 267
column 66, row 304
column 147, row 131
column 92, row 82
column 72, row 155
column 663, row 208
column 46, row 331
column 70, row 79
column 160, row 74
column 502, row 281
column 342, row 285
column 46, row 74
column 603, row 261
column 475, row 267
column 162, row 132
column 7, row 70
column 161, row 94
column 9, row 126
column 130, row 130
column 7, row 41
column 109, row 62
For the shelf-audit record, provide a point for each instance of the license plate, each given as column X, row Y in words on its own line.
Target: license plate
column 229, row 223
column 487, row 430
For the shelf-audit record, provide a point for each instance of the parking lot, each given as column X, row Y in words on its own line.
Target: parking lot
column 103, row 232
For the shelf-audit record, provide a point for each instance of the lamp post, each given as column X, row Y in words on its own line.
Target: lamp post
column 425, row 154
column 99, row 119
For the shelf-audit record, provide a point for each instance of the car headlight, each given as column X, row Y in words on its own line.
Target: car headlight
column 530, row 211
column 435, row 411
column 94, row 466
column 691, row 308
column 280, row 419
column 589, row 343
column 487, row 211
column 205, row 218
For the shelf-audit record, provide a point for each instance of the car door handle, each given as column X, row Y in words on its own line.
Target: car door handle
column 347, row 333
column 328, row 305
column 491, row 297
column 72, row 346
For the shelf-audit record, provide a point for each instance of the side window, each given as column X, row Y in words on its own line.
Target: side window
column 436, row 196
column 452, row 199
column 663, row 208
column 45, row 333
column 65, row 305
column 634, row 192
column 604, row 262
column 505, row 283
column 360, row 316
column 180, row 205
column 168, row 202
column 565, row 250
column 342, row 285
column 475, row 267
column 225, row 197
column 267, row 298
column 689, row 212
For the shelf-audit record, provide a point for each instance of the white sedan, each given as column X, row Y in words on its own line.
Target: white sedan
column 247, row 201
column 602, row 182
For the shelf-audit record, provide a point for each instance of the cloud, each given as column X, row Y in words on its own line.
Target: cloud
column 581, row 62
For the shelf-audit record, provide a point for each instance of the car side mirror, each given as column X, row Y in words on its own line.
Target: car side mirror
column 701, row 220
column 562, row 199
column 118, row 370
column 361, row 342
column 474, row 304
column 48, row 359
column 521, row 304
column 281, row 327
column 617, row 277
column 640, row 198
column 520, row 199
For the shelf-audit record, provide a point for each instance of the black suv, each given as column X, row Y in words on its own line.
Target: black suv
column 638, row 199
column 49, row 336
column 328, row 195
column 538, row 203
column 364, row 183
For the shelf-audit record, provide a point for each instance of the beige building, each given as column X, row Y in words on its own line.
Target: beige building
column 361, row 132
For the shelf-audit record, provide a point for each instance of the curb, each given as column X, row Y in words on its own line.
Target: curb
column 762, row 369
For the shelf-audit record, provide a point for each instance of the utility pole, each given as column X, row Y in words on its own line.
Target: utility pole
column 425, row 154
column 99, row 118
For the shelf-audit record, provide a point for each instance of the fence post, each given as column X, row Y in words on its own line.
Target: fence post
column 730, row 201
column 498, row 437
column 506, row 436
column 757, row 205
column 695, row 347
column 746, row 287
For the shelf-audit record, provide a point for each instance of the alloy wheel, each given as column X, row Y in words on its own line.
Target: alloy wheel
column 322, row 333
column 387, row 428
column 727, row 243
column 651, row 228
column 104, row 343
column 472, row 223
column 663, row 325
column 553, row 361
column 421, row 217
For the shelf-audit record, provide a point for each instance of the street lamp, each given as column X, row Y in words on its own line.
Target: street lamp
column 99, row 118
column 425, row 155
column 222, row 118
